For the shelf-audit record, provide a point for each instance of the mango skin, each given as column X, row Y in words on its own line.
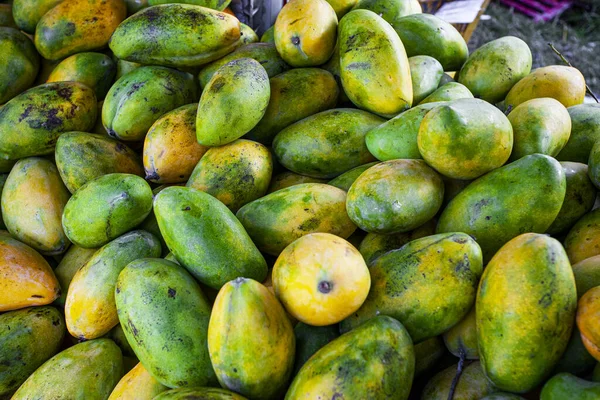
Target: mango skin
column 95, row 70
column 288, row 178
column 425, row 73
column 141, row 97
column 82, row 157
column 27, row 13
column 27, row 279
column 269, row 35
column 219, row 5
column 461, row 339
column 373, row 361
column 525, row 307
column 493, row 216
column 587, row 274
column 137, row 384
column 236, row 173
column 178, row 312
column 277, row 219
column 502, row 396
column 494, row 68
column 448, row 92
column 465, row 139
column 178, row 28
column 395, row 196
column 539, row 126
column 75, row 26
column 309, row 339
column 579, row 197
column 171, row 150
column 105, row 208
column 87, row 370
column 427, row 355
column 575, row 359
column 28, row 338
column 19, row 61
column 587, row 317
column 206, row 238
column 295, row 95
column 565, row 386
column 345, row 180
column 33, row 199
column 374, row 67
column 232, row 103
column 585, row 132
column 428, row 35
column 31, row 122
column 333, row 66
column 583, row 240
column 565, row 84
column 199, row 393
column 326, row 144
column 472, row 384
column 390, row 10
column 428, row 284
column 594, row 165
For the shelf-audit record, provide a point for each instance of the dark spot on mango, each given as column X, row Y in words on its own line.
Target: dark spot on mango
column 37, row 296
column 172, row 292
column 325, row 287
column 65, row 93
column 186, row 208
column 358, row 65
column 70, row 28
column 295, row 40
column 546, row 300
column 25, row 112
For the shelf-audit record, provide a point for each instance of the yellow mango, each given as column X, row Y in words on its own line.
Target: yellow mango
column 137, row 384
column 588, row 314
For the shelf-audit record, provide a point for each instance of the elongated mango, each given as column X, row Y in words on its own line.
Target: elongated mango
column 19, row 62
column 425, row 73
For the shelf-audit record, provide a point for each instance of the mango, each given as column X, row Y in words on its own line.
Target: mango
column 117, row 335
column 134, row 6
column 88, row 370
column 287, row 179
column 583, row 240
column 28, row 338
column 247, row 34
column 465, row 139
column 82, row 157
column 374, row 361
column 333, row 66
column 171, row 150
column 575, row 359
column 33, row 199
column 428, row 35
column 187, row 36
column 19, row 61
column 206, row 238
column 472, row 384
column 428, row 284
column 523, row 196
column 427, row 354
column 309, row 339
column 568, row 386
column 524, row 311
column 141, row 97
column 374, row 67
column 390, row 10
column 214, row 4
column 199, row 393
column 124, row 67
column 494, row 68
column 502, row 396
column 27, row 13
column 269, row 35
column 73, row 259
column 31, row 122
column 277, row 219
column 75, row 26
column 585, row 132
column 105, row 208
column 446, row 79
column 587, row 321
column 345, row 180
column 579, row 197
column 461, row 339
column 565, row 84
column 448, row 92
column 169, row 332
column 295, row 95
column 3, row 178
column 326, row 144
column 137, row 384
column 395, row 196
column 95, row 70
column 425, row 73
column 594, row 165
column 587, row 274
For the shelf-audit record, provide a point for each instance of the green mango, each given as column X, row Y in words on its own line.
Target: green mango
column 199, row 393
column 594, row 164
column 568, row 386
column 158, row 89
column 168, row 333
column 105, row 208
column 277, row 219
column 583, row 240
column 295, row 95
column 523, row 196
column 31, row 122
column 587, row 274
column 27, row 13
column 117, row 335
column 247, row 34
column 428, row 284
column 428, row 35
column 134, row 6
column 269, row 35
column 3, row 178
column 326, row 144
column 579, row 197
column 177, row 28
column 452, row 187
column 28, row 337
column 461, row 339
column 19, row 62
column 425, row 74
column 525, row 312
column 73, row 259
column 309, row 339
column 345, row 180
column 585, row 132
column 427, row 354
column 219, row 5
column 95, row 70
column 502, row 396
column 576, row 359
column 88, row 370
column 124, row 67
column 265, row 53
column 206, row 238
column 445, row 79
column 448, row 92
column 395, row 196
column 33, row 199
column 287, row 179
column 374, row 361
column 333, row 66
column 390, row 10
column 472, row 384
column 493, row 69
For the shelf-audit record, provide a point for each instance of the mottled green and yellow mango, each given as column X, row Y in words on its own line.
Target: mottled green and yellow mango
column 269, row 35
column 461, row 339
column 219, row 5
column 19, row 62
column 27, row 13
column 568, row 386
column 287, row 179
column 587, row 274
column 137, row 384
column 390, row 10
column 204, row 393
column 247, row 34
column 448, row 92
column 585, row 132
column 345, row 180
column 124, row 67
column 95, row 70
column 425, row 73
column 583, row 240
column 588, row 310
column 73, row 259
column 472, row 384
column 594, row 165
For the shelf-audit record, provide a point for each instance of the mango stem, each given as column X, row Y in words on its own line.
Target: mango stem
column 459, row 371
column 569, row 64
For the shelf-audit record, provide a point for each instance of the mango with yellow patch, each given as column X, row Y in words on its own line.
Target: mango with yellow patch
column 137, row 384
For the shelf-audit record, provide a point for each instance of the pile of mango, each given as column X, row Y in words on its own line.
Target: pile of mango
column 350, row 207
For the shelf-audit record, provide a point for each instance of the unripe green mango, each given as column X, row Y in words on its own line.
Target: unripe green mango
column 374, row 361
column 425, row 73
column 472, row 384
column 345, row 180
column 494, row 68
column 567, row 386
column 585, row 132
column 525, row 312
column 3, row 178
column 587, row 274
column 374, row 66
column 105, row 208
column 309, row 339
column 176, row 314
column 575, row 359
column 204, row 393
column 19, row 62
column 461, row 339
column 448, row 92
column 287, row 179
column 523, row 196
column 27, row 13
column 124, row 67
column 428, row 284
column 141, row 97
column 390, row 10
column 31, row 122
column 326, row 144
column 73, row 259
column 219, row 5
column 33, row 199
column 594, row 165
column 247, row 34
column 206, row 238
column 583, row 240
column 88, row 370
column 117, row 335
column 269, row 35
column 445, row 79
column 427, row 354
column 187, row 35
column 333, row 66
column 28, row 338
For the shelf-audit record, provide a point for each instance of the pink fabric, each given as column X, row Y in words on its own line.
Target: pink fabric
column 539, row 10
